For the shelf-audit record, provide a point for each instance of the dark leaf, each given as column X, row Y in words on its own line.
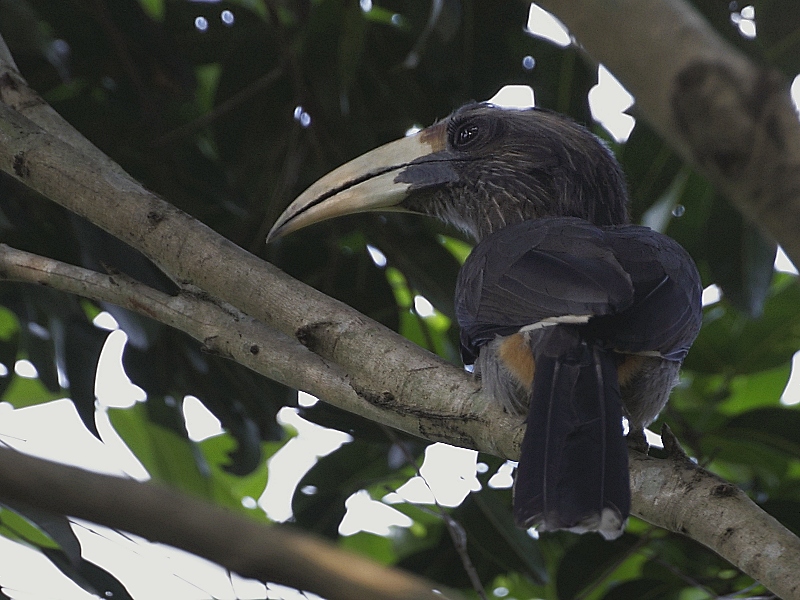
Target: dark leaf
column 38, row 344
column 643, row 589
column 589, row 559
column 741, row 259
column 83, row 343
column 9, row 347
column 410, row 246
column 56, row 526
column 89, row 576
column 776, row 427
column 650, row 165
column 318, row 503
column 332, row 417
column 786, row 511
column 731, row 343
column 779, row 33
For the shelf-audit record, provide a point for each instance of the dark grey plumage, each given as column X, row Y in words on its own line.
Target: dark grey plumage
column 583, row 300
column 564, row 308
column 504, row 178
column 504, row 166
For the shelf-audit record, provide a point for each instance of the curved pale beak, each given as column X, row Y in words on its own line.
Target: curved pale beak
column 378, row 180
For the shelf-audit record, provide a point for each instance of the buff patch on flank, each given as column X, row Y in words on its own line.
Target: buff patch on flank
column 515, row 354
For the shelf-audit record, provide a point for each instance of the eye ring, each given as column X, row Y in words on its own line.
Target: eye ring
column 466, row 135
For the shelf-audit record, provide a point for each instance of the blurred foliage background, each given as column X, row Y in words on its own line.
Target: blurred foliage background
column 230, row 109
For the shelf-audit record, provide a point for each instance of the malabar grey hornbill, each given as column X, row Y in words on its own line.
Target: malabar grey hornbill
column 566, row 310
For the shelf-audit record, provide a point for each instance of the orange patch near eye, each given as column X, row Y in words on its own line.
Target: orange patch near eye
column 435, row 136
column 515, row 353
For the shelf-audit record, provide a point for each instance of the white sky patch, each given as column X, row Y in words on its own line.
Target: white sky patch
column 449, row 475
column 112, row 386
column 105, row 320
column 24, row 368
column 783, row 263
column 378, row 257
column 795, row 92
column 423, row 307
column 200, row 422
column 711, row 295
column 653, row 439
column 281, row 592
column 503, row 478
column 288, row 466
column 745, row 21
column 791, row 395
column 544, row 25
column 177, row 574
column 54, row 431
column 201, row 24
column 365, row 514
column 18, row 579
column 306, row 400
column 514, row 96
column 608, row 100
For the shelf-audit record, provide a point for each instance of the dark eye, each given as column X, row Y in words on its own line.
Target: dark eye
column 465, row 135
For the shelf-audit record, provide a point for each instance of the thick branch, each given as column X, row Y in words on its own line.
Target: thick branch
column 221, row 329
column 678, row 495
column 392, row 375
column 275, row 553
column 729, row 116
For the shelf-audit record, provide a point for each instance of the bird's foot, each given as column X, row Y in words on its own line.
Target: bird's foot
column 637, row 441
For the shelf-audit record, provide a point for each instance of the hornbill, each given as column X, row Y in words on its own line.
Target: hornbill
column 565, row 309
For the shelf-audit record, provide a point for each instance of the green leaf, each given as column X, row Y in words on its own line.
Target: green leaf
column 642, row 589
column 17, row 528
column 741, row 259
column 26, row 391
column 9, row 326
column 195, row 468
column 458, row 248
column 154, row 8
column 588, row 560
column 166, row 456
column 230, row 490
column 775, row 427
column 733, row 344
column 375, row 547
column 55, row 528
column 756, row 390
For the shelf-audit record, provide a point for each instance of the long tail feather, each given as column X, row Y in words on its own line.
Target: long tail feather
column 573, row 469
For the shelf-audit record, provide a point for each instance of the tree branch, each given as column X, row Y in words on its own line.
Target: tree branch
column 221, row 329
column 730, row 117
column 682, row 497
column 276, row 553
column 391, row 375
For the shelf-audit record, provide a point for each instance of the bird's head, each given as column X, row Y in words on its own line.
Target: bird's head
column 480, row 169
